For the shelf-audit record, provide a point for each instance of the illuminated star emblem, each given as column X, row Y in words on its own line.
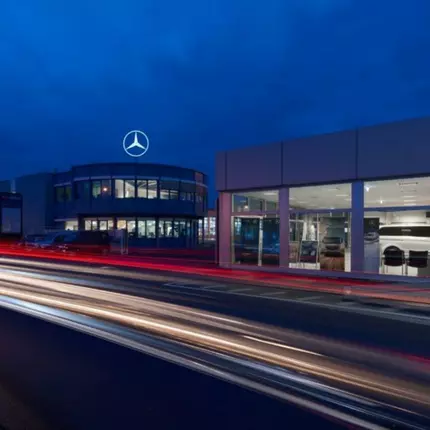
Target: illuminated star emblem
column 135, row 143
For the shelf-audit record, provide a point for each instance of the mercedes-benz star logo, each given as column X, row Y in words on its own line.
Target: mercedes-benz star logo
column 134, row 148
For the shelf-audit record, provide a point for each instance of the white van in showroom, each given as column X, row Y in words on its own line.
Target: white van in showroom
column 406, row 237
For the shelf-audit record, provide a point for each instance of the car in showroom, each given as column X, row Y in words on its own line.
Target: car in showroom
column 404, row 237
column 332, row 246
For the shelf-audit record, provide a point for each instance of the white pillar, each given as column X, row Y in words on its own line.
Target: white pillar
column 284, row 227
column 357, row 227
column 224, row 229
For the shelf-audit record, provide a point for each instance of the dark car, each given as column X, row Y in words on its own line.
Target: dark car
column 85, row 242
column 332, row 246
column 31, row 240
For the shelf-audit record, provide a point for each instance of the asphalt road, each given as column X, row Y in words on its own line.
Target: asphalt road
column 78, row 382
column 148, row 301
column 312, row 312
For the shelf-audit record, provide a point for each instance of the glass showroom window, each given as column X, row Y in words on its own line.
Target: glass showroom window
column 183, row 227
column 128, row 224
column 256, row 228
column 105, row 224
column 98, row 224
column 91, row 224
column 320, row 227
column 151, row 231
column 397, row 226
column 165, row 228
column 209, row 228
column 146, row 228
column 201, row 231
column 71, row 225
column 141, row 228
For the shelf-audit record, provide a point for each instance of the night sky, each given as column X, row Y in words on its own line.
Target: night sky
column 200, row 76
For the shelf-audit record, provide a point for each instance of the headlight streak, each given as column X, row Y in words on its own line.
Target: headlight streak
column 250, row 344
column 226, row 344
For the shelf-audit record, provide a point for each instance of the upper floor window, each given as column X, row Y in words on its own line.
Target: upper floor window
column 142, row 188
column 59, row 194
column 201, row 195
column 82, row 189
column 187, row 196
column 169, row 190
column 63, row 194
column 125, row 188
column 106, row 186
column 96, row 189
column 152, row 189
column 68, row 193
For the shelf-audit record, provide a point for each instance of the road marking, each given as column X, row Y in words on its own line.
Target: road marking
column 213, row 287
column 275, row 293
column 398, row 316
column 310, row 298
column 280, row 345
column 346, row 304
column 240, row 289
column 172, row 284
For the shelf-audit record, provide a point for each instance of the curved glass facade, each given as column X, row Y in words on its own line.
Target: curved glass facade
column 157, row 205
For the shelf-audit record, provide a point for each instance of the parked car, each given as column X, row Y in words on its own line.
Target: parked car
column 50, row 240
column 31, row 240
column 91, row 242
column 405, row 237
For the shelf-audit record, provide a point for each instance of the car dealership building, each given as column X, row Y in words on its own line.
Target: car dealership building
column 350, row 201
column 158, row 205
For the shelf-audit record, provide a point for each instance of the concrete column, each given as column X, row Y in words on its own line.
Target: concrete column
column 224, row 229
column 284, row 227
column 357, row 227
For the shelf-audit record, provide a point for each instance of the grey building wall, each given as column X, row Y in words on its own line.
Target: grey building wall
column 5, row 186
column 37, row 194
column 378, row 152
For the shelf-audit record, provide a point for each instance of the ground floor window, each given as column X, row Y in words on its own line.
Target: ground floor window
column 176, row 228
column 146, row 228
column 390, row 220
column 320, row 241
column 397, row 242
column 128, row 224
column 183, row 230
column 98, row 224
column 256, row 240
column 397, row 226
column 71, row 225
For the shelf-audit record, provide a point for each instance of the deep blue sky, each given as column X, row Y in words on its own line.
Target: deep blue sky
column 200, row 76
